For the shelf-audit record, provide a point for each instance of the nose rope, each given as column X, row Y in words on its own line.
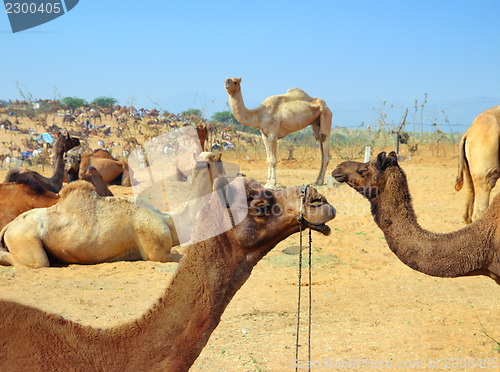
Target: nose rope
column 300, row 218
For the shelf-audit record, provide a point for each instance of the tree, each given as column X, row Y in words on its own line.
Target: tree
column 223, row 117
column 193, row 111
column 103, row 101
column 73, row 102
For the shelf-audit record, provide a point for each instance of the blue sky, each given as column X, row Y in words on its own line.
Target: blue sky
column 354, row 54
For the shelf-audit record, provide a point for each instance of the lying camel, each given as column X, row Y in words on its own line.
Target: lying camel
column 93, row 176
column 473, row 250
column 479, row 162
column 112, row 170
column 18, row 198
column 171, row 335
column 54, row 183
column 88, row 229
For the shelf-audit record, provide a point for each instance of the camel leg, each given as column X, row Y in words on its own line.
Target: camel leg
column 271, row 143
column 156, row 246
column 470, row 196
column 483, row 187
column 324, row 142
column 24, row 250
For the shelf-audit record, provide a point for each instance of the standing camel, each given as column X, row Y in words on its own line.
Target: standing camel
column 54, row 183
column 479, row 162
column 280, row 115
column 171, row 335
column 473, row 250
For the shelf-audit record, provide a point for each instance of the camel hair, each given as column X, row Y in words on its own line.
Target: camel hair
column 278, row 116
column 171, row 334
column 479, row 162
column 54, row 183
column 86, row 228
column 473, row 250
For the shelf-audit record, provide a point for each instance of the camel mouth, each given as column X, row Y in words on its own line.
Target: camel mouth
column 340, row 177
column 323, row 228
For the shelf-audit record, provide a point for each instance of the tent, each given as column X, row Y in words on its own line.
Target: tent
column 46, row 137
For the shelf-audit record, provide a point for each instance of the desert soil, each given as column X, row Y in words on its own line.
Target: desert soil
column 367, row 307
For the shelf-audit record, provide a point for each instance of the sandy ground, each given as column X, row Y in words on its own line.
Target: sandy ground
column 368, row 309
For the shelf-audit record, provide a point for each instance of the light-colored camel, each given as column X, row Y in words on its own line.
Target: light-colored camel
column 473, row 250
column 171, row 335
column 53, row 183
column 280, row 115
column 112, row 170
column 87, row 229
column 185, row 159
column 479, row 162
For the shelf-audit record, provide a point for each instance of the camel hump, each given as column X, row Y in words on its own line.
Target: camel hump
column 12, row 176
column 77, row 185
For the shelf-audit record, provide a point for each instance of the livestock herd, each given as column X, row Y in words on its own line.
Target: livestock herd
column 43, row 222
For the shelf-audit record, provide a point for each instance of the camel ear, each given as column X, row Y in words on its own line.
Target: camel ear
column 383, row 160
column 238, row 80
column 217, row 157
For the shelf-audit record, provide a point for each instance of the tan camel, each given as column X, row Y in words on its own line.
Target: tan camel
column 280, row 115
column 185, row 159
column 87, row 229
column 479, row 162
column 171, row 335
column 112, row 170
column 54, row 183
column 473, row 250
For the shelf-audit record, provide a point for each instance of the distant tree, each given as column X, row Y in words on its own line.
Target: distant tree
column 193, row 111
column 3, row 103
column 103, row 101
column 223, row 117
column 73, row 102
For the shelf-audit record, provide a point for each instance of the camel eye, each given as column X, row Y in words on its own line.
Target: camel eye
column 316, row 203
column 362, row 172
column 261, row 208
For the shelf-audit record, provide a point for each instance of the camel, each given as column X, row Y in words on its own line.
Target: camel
column 479, row 162
column 18, row 198
column 93, row 176
column 473, row 250
column 185, row 159
column 54, row 183
column 171, row 335
column 112, row 170
column 280, row 115
column 86, row 228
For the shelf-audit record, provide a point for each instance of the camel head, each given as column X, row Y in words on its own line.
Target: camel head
column 66, row 142
column 273, row 215
column 232, row 85
column 366, row 178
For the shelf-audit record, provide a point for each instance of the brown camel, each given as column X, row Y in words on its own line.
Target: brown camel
column 280, row 115
column 171, row 335
column 473, row 250
column 54, row 183
column 86, row 228
column 112, row 170
column 479, row 162
column 93, row 176
column 18, row 198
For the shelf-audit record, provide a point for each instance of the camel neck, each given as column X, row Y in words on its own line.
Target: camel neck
column 443, row 255
column 179, row 325
column 58, row 175
column 241, row 113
